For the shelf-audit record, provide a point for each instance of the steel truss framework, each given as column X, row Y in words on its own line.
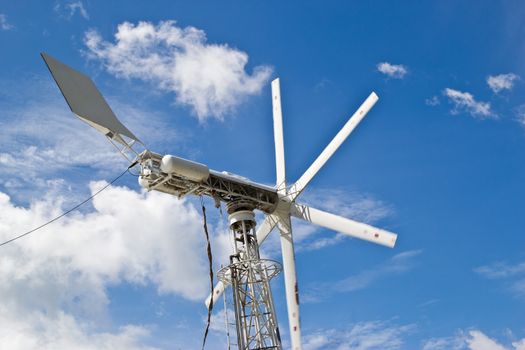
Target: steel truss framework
column 249, row 276
column 220, row 186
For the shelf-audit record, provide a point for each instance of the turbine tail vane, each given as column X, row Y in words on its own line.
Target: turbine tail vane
column 88, row 104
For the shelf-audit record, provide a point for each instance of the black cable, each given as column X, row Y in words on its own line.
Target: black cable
column 68, row 211
column 210, row 259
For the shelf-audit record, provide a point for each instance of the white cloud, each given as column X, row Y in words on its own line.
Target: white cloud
column 465, row 101
column 4, row 25
column 135, row 237
column 501, row 270
column 77, row 6
column 40, row 134
column 69, row 9
column 471, row 340
column 372, row 335
column 445, row 343
column 501, row 82
column 42, row 142
column 519, row 345
column 433, row 101
column 396, row 71
column 210, row 78
column 53, row 284
column 513, row 275
column 398, row 264
column 520, row 114
column 64, row 332
column 147, row 238
column 479, row 341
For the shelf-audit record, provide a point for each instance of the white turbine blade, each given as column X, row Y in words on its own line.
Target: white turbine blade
column 344, row 225
column 333, row 145
column 278, row 135
column 263, row 231
column 265, row 228
column 290, row 279
column 217, row 292
column 86, row 101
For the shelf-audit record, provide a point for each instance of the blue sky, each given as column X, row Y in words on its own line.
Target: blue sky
column 438, row 160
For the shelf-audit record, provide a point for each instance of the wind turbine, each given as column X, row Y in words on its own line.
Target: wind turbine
column 248, row 274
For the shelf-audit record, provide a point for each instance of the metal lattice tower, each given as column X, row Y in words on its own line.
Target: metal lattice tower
column 249, row 276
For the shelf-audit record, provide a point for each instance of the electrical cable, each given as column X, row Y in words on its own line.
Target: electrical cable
column 210, row 259
column 68, row 211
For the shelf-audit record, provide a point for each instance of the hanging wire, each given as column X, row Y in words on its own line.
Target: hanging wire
column 70, row 210
column 224, row 223
column 210, row 259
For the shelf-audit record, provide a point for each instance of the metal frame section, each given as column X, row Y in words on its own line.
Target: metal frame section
column 124, row 146
column 220, row 186
column 249, row 276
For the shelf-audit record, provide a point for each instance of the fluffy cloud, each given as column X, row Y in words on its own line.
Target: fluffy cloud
column 4, row 25
column 396, row 71
column 64, row 332
column 465, row 101
column 372, row 335
column 471, row 340
column 210, row 78
column 501, row 82
column 60, row 274
column 479, row 341
column 135, row 237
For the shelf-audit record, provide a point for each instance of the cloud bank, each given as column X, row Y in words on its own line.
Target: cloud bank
column 54, row 283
